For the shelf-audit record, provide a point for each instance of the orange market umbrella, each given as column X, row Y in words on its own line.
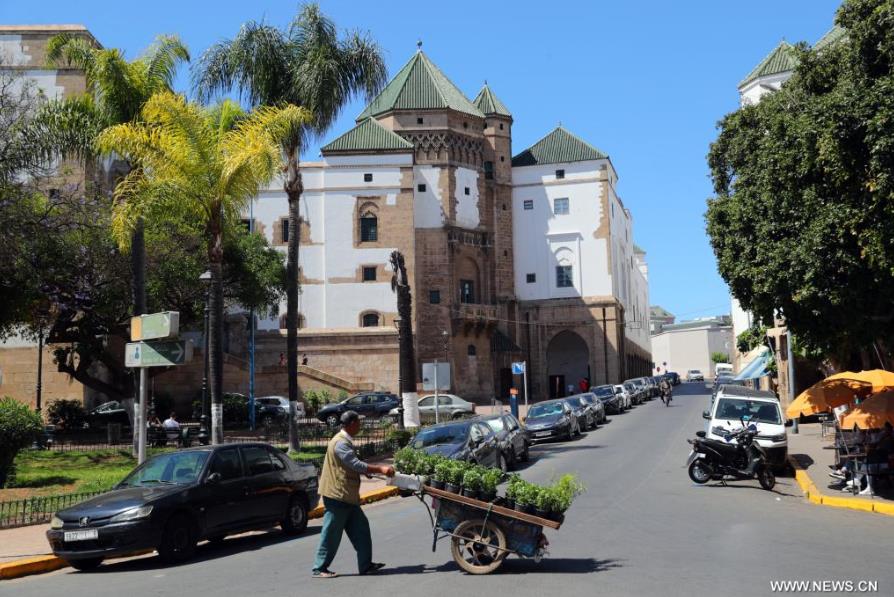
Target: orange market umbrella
column 822, row 397
column 872, row 413
column 879, row 379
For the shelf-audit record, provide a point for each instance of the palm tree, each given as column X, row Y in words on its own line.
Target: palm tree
column 307, row 65
column 116, row 92
column 202, row 164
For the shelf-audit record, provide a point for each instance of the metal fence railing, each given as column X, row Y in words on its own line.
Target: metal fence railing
column 38, row 510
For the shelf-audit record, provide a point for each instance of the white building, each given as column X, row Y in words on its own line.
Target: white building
column 689, row 345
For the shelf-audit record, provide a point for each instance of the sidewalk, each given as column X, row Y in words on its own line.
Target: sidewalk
column 30, row 541
column 815, row 455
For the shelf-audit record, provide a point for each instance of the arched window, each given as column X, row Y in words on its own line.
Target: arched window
column 471, row 350
column 369, row 227
column 369, row 320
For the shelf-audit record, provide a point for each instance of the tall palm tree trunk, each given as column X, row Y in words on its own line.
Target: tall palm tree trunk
column 215, row 327
column 293, row 187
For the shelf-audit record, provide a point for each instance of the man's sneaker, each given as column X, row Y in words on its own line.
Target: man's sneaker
column 324, row 574
column 373, row 568
column 836, row 474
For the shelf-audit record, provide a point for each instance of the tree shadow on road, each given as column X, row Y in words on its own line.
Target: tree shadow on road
column 208, row 551
column 516, row 566
column 752, row 487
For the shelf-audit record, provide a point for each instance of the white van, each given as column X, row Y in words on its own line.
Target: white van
column 723, row 369
column 735, row 403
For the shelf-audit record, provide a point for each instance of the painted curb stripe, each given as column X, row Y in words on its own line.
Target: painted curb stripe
column 41, row 564
column 814, row 496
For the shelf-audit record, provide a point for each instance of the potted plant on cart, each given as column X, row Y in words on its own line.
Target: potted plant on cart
column 526, row 498
column 557, row 498
column 512, row 489
column 472, row 482
column 490, row 478
column 441, row 473
column 405, row 460
column 455, row 476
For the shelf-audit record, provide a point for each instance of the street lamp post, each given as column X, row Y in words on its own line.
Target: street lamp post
column 206, row 278
column 400, row 375
column 38, row 389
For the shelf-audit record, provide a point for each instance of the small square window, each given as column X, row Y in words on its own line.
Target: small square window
column 420, row 188
column 465, row 125
column 434, row 297
column 467, row 190
column 560, row 206
column 529, row 204
column 560, row 174
column 501, row 126
column 502, row 158
column 419, row 120
column 563, row 276
column 531, row 278
column 368, row 177
column 369, row 273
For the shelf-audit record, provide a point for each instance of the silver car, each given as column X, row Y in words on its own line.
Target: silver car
column 450, row 406
column 623, row 397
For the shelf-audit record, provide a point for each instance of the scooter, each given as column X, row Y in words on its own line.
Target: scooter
column 666, row 397
column 737, row 457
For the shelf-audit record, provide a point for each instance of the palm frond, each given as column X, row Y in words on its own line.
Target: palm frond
column 365, row 63
column 69, row 50
column 283, row 125
column 162, row 59
column 66, row 128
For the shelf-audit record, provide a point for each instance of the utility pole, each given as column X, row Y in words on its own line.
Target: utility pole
column 251, row 337
column 38, row 389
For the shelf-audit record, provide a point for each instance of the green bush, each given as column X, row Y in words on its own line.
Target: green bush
column 342, row 395
column 442, row 470
column 400, row 437
column 19, row 428
column 314, row 401
column 490, row 478
column 472, row 478
column 528, row 494
column 67, row 414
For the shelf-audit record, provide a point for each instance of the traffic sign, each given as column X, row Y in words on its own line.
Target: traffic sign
column 157, row 354
column 518, row 368
column 435, row 371
column 155, row 326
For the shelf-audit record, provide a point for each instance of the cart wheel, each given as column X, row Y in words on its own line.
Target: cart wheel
column 478, row 547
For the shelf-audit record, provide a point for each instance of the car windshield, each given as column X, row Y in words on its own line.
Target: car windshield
column 175, row 468
column 545, row 410
column 603, row 391
column 695, row 372
column 758, row 412
column 496, row 424
column 435, row 436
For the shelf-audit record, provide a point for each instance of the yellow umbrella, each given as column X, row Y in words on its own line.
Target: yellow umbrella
column 879, row 379
column 872, row 413
column 822, row 397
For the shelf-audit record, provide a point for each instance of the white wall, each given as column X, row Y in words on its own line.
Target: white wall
column 328, row 205
column 12, row 53
column 541, row 238
column 690, row 348
column 428, row 206
column 467, row 214
column 755, row 90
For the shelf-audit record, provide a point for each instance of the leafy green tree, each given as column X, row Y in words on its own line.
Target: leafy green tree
column 804, row 191
column 203, row 165
column 306, row 65
column 19, row 428
column 719, row 357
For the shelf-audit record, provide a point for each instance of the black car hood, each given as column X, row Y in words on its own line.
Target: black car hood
column 117, row 500
column 543, row 421
column 447, row 450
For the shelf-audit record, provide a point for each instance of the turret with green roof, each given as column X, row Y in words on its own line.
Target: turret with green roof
column 490, row 104
column 558, row 147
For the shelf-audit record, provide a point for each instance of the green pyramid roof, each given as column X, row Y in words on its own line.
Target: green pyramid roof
column 782, row 59
column 558, row 147
column 419, row 85
column 831, row 37
column 369, row 135
column 489, row 103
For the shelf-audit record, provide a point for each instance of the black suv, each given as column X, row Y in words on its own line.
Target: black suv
column 371, row 405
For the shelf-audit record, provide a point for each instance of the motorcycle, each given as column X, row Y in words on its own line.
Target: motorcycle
column 667, row 396
column 738, row 456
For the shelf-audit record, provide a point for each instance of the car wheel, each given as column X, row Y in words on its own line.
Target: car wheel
column 85, row 565
column 266, row 421
column 457, row 415
column 178, row 543
column 295, row 520
column 333, row 420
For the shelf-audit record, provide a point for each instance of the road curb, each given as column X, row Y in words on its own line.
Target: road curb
column 43, row 564
column 815, row 496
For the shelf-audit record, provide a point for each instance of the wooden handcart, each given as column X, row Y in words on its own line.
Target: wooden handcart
column 483, row 534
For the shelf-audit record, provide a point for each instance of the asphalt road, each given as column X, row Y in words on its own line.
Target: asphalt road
column 642, row 528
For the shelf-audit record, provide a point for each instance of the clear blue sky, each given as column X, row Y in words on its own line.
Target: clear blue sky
column 643, row 81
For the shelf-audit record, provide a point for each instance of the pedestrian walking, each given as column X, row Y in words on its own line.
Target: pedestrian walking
column 304, row 359
column 340, row 489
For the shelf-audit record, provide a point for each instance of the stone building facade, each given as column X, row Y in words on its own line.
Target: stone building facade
column 430, row 173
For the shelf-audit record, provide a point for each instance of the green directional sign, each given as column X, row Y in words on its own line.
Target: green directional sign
column 155, row 326
column 157, row 354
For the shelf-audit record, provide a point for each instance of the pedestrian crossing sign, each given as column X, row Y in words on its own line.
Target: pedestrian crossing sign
column 518, row 368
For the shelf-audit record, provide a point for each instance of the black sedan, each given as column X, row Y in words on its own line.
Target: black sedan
column 609, row 398
column 585, row 416
column 551, row 419
column 513, row 440
column 372, row 405
column 469, row 440
column 176, row 499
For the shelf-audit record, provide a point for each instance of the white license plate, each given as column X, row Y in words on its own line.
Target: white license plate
column 543, row 434
column 85, row 535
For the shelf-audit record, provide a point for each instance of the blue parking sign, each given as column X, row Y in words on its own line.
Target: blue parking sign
column 518, row 368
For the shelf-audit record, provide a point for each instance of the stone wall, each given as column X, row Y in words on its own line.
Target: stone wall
column 18, row 377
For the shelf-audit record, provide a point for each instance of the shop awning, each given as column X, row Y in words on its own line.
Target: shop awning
column 757, row 367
